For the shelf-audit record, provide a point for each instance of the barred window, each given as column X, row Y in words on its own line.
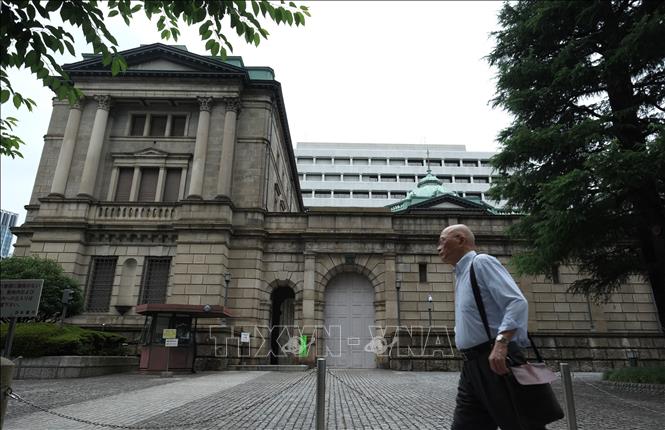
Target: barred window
column 100, row 283
column 422, row 272
column 155, row 279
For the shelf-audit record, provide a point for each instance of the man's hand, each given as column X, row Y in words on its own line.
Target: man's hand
column 498, row 358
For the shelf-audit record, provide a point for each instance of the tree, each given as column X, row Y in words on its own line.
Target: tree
column 27, row 38
column 55, row 281
column 584, row 158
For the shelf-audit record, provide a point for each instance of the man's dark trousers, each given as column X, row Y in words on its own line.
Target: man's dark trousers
column 483, row 400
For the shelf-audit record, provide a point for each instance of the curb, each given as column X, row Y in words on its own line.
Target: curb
column 636, row 387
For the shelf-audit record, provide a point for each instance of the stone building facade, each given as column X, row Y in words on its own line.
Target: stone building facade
column 176, row 182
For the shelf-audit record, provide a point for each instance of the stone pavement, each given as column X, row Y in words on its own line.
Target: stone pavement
column 277, row 400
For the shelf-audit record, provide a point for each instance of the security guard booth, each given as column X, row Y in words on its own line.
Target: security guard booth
column 181, row 322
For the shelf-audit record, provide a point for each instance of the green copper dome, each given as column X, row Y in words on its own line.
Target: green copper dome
column 428, row 187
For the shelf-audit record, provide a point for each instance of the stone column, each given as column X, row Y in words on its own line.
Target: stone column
column 309, row 291
column 228, row 147
column 91, row 166
column 67, row 150
column 390, row 293
column 201, row 148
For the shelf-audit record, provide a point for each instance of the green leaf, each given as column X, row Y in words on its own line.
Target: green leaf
column 113, row 13
column 18, row 100
column 70, row 47
column 115, row 66
column 31, row 58
column 4, row 96
column 53, row 5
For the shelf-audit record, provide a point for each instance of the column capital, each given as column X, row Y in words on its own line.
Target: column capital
column 103, row 102
column 205, row 103
column 78, row 104
column 232, row 104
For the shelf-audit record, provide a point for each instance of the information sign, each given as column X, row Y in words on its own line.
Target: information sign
column 20, row 297
column 171, row 342
column 168, row 333
column 244, row 337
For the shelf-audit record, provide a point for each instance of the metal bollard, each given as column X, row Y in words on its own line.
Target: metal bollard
column 7, row 372
column 569, row 400
column 320, row 394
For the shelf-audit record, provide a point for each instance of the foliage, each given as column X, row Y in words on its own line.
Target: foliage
column 55, row 281
column 27, row 38
column 584, row 158
column 44, row 339
column 644, row 375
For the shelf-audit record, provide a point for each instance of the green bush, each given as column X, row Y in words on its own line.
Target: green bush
column 44, row 339
column 55, row 281
column 644, row 375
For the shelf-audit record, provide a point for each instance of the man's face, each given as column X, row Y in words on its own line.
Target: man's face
column 450, row 247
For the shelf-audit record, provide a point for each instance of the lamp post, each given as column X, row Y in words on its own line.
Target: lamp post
column 398, row 285
column 429, row 309
column 227, row 281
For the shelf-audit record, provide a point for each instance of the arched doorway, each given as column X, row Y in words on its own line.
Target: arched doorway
column 349, row 315
column 281, row 322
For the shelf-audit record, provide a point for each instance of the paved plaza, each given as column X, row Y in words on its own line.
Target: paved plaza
column 359, row 399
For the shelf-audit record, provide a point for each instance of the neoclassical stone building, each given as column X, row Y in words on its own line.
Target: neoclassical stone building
column 175, row 182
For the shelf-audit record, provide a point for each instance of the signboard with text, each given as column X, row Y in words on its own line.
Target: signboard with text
column 19, row 298
column 244, row 337
column 171, row 342
column 168, row 333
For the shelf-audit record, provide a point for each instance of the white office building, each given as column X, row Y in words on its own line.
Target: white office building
column 374, row 175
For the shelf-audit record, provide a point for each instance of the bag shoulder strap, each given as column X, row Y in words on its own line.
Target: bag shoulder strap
column 483, row 314
column 479, row 301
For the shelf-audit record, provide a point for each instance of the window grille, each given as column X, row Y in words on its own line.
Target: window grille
column 155, row 279
column 100, row 285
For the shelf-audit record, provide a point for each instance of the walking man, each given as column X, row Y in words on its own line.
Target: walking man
column 483, row 402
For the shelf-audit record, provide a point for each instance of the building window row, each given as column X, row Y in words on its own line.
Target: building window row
column 336, row 177
column 147, row 188
column 157, row 124
column 362, row 194
column 434, row 162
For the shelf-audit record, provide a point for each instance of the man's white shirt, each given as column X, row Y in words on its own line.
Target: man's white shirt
column 506, row 307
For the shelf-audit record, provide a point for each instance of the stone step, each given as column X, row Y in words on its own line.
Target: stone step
column 271, row 367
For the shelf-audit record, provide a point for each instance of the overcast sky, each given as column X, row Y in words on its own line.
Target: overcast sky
column 370, row 72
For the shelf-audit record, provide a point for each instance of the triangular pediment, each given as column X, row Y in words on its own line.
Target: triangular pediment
column 160, row 59
column 150, row 152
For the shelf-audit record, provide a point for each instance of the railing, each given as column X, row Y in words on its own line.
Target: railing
column 133, row 212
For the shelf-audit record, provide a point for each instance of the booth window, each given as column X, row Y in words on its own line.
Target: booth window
column 100, row 283
column 155, row 279
column 153, row 330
